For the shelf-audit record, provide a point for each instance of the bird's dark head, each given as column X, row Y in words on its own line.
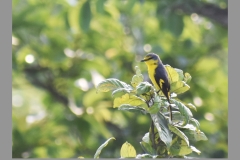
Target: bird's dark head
column 151, row 58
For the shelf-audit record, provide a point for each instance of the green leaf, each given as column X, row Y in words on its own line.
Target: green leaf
column 147, row 148
column 100, row 6
column 180, row 148
column 179, row 87
column 179, row 133
column 101, row 147
column 161, row 125
column 183, row 110
column 195, row 123
column 143, row 87
column 177, row 118
column 138, row 78
column 131, row 100
column 172, row 74
column 156, row 105
column 127, row 151
column 119, row 92
column 191, row 106
column 127, row 107
column 85, row 16
column 194, row 135
column 112, row 84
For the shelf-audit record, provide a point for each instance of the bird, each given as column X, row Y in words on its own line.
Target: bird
column 158, row 76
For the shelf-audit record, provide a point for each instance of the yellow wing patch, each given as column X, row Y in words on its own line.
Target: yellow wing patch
column 161, row 82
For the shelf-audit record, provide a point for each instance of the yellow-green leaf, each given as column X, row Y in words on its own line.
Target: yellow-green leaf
column 119, row 92
column 179, row 87
column 128, row 99
column 180, row 74
column 127, row 151
column 191, row 106
column 138, row 78
column 180, row 148
column 179, row 133
column 172, row 74
column 187, row 77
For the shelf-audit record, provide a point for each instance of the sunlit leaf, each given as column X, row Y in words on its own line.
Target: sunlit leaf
column 180, row 74
column 143, row 87
column 195, row 150
column 187, row 77
column 177, row 118
column 194, row 134
column 183, row 110
column 138, row 78
column 127, row 107
column 101, row 147
column 195, row 123
column 119, row 92
column 111, row 84
column 179, row 87
column 85, row 16
column 180, row 148
column 146, row 138
column 161, row 124
column 172, row 74
column 127, row 151
column 179, row 133
column 131, row 100
column 191, row 106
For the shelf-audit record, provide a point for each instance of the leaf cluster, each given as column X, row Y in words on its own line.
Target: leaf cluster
column 165, row 138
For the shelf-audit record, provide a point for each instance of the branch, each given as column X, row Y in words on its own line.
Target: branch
column 46, row 84
column 210, row 11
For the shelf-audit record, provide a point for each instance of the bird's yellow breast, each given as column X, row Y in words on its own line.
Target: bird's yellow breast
column 152, row 65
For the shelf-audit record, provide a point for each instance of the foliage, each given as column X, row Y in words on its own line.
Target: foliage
column 60, row 54
column 165, row 138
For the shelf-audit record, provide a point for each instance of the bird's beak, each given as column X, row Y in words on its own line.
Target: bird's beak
column 143, row 60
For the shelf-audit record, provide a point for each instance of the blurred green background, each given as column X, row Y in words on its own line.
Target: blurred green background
column 62, row 49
